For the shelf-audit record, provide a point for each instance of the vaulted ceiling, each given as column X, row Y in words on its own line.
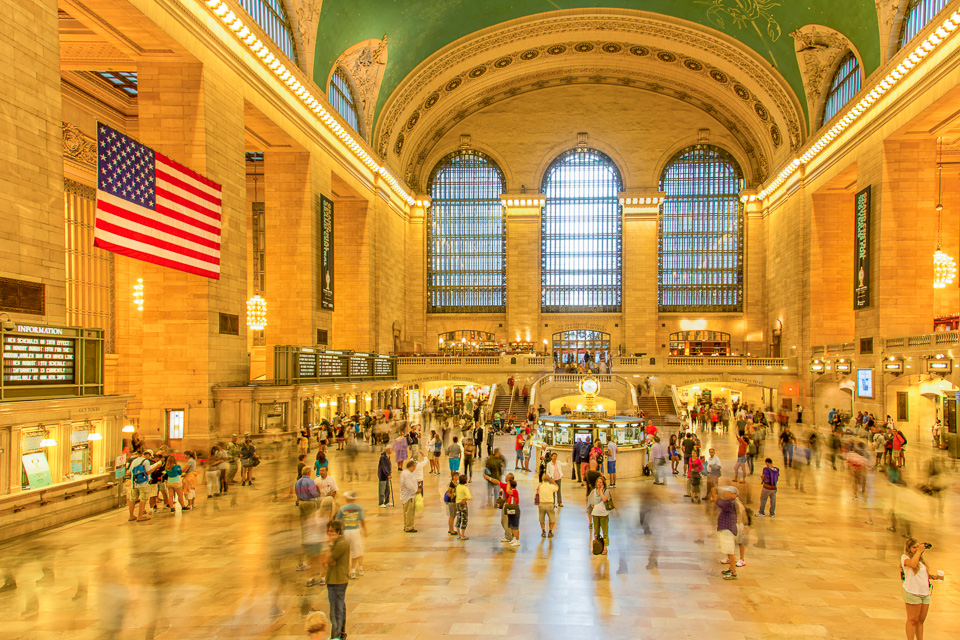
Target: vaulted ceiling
column 416, row 29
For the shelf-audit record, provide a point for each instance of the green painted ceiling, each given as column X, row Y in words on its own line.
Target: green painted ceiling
column 416, row 29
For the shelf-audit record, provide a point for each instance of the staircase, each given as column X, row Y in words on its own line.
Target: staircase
column 660, row 410
column 501, row 403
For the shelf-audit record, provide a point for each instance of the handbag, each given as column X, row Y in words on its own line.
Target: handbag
column 536, row 497
column 608, row 505
column 500, row 502
column 598, row 545
column 511, row 509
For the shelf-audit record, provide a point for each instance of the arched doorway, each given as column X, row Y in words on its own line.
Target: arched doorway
column 580, row 346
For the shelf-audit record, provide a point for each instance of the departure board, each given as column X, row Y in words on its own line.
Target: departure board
column 308, row 364
column 383, row 366
column 39, row 360
column 305, row 365
column 329, row 366
column 359, row 366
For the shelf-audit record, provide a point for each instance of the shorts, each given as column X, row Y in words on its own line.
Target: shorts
column 451, row 509
column 548, row 513
column 355, row 538
column 142, row 493
column 911, row 598
column 611, row 466
column 742, row 459
column 174, row 485
column 513, row 521
column 728, row 542
column 454, row 464
column 436, row 454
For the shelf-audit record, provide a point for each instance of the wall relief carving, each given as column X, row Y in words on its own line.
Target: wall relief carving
column 366, row 62
column 306, row 16
column 889, row 13
column 78, row 147
column 817, row 50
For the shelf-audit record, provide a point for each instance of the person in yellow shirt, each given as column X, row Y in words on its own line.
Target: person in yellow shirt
column 462, row 496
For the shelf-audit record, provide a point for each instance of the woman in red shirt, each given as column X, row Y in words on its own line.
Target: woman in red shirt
column 742, row 458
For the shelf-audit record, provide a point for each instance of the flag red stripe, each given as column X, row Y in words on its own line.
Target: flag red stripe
column 186, row 170
column 189, row 204
column 149, row 257
column 159, row 226
column 157, row 242
column 163, row 176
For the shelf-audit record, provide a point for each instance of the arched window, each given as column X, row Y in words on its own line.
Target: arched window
column 918, row 14
column 580, row 234
column 701, row 232
column 466, row 236
column 341, row 96
column 845, row 84
column 271, row 15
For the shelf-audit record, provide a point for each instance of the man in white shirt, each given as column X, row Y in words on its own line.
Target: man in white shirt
column 554, row 471
column 713, row 469
column 326, row 485
column 612, row 462
column 421, row 461
column 408, row 491
column 659, row 461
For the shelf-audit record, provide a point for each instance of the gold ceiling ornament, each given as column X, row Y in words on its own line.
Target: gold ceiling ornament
column 944, row 266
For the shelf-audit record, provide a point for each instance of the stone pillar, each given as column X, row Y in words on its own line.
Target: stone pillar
column 31, row 191
column 523, row 268
column 292, row 257
column 353, row 321
column 416, row 266
column 194, row 117
column 640, row 271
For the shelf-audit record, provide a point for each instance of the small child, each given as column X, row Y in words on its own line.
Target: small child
column 450, row 498
column 462, row 496
column 696, row 471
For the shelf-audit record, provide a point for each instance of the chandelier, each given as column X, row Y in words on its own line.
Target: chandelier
column 138, row 294
column 256, row 313
column 944, row 266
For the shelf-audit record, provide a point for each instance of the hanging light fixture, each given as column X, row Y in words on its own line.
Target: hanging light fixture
column 256, row 313
column 138, row 294
column 128, row 428
column 94, row 436
column 944, row 266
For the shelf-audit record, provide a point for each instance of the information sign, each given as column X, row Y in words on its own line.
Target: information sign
column 861, row 256
column 326, row 253
column 37, row 470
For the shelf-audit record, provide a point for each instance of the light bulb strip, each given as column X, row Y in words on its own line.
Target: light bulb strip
column 925, row 48
column 222, row 11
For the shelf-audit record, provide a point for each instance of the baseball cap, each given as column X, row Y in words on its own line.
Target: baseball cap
column 350, row 495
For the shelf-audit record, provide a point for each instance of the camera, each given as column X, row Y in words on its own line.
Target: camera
column 927, row 545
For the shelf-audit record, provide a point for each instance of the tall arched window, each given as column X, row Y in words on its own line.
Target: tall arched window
column 341, row 96
column 271, row 15
column 918, row 14
column 845, row 84
column 580, row 234
column 466, row 236
column 701, row 232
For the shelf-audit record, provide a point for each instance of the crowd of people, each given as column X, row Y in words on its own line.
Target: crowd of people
column 333, row 525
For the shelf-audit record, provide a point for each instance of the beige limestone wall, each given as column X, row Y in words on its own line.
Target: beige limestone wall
column 831, row 266
column 353, row 319
column 523, row 275
column 31, row 183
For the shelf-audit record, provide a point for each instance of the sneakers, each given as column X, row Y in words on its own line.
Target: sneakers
column 312, row 582
column 515, row 543
column 772, row 516
column 550, row 535
column 303, row 566
column 759, row 514
column 359, row 571
column 543, row 534
column 730, row 576
column 462, row 538
column 505, row 539
column 382, row 506
column 725, row 561
column 741, row 563
column 389, row 504
column 353, row 575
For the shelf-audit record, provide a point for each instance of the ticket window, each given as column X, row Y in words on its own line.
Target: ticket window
column 34, row 464
column 81, row 450
column 583, row 435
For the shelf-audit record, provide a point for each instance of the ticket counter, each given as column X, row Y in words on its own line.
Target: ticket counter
column 560, row 432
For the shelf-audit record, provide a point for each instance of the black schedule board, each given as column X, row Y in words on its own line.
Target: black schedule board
column 330, row 366
column 308, row 364
column 383, row 366
column 360, row 366
column 39, row 360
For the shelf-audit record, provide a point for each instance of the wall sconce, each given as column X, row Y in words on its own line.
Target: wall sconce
column 138, row 294
column 256, row 313
column 368, row 398
column 47, row 441
column 817, row 367
column 323, row 405
column 94, row 436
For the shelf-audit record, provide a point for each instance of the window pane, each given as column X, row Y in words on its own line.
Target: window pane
column 701, row 232
column 917, row 16
column 845, row 84
column 466, row 236
column 272, row 18
column 580, row 234
column 341, row 98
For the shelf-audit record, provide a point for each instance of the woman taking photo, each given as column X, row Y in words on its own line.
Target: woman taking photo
column 916, row 575
column 597, row 502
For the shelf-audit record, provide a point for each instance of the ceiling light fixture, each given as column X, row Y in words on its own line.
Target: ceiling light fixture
column 944, row 266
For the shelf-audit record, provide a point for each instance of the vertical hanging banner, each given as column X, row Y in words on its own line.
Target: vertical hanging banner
column 326, row 253
column 861, row 256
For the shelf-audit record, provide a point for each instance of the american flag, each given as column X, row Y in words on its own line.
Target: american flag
column 154, row 209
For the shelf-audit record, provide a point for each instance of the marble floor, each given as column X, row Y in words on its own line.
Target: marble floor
column 817, row 570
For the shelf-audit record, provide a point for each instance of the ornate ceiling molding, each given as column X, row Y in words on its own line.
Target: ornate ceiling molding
column 818, row 50
column 79, row 148
column 418, row 156
column 689, row 57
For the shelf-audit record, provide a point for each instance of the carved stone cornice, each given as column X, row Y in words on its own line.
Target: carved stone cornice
column 365, row 62
column 79, row 148
column 632, row 39
column 818, row 50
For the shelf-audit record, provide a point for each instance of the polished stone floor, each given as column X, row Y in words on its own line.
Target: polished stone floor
column 817, row 570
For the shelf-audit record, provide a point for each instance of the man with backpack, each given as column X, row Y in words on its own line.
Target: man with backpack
column 140, row 469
